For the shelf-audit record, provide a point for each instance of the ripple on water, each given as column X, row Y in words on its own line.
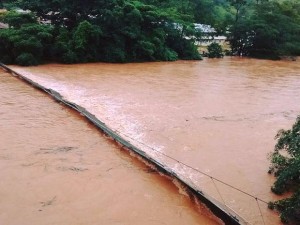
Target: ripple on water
column 58, row 169
column 228, row 111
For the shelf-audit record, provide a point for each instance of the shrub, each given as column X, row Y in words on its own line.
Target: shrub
column 26, row 59
column 69, row 57
column 215, row 51
column 31, row 45
column 170, row 55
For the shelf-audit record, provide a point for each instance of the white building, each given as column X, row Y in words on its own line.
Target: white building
column 209, row 35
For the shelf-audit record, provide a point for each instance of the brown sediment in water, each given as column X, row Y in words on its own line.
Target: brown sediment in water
column 58, row 169
column 219, row 116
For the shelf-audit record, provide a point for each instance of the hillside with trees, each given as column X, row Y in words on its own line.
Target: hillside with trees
column 70, row 31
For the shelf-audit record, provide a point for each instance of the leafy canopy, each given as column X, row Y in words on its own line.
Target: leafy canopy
column 285, row 164
column 266, row 28
column 100, row 30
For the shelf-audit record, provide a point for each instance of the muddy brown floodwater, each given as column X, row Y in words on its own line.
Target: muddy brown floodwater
column 58, row 169
column 218, row 116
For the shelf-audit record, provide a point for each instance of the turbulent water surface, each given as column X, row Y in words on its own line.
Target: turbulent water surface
column 218, row 116
column 58, row 169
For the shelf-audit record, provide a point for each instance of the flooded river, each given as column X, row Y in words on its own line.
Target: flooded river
column 58, row 169
column 218, row 116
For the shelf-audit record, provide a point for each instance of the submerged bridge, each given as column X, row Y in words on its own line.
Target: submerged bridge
column 219, row 209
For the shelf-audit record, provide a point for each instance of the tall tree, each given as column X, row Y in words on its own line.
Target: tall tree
column 270, row 29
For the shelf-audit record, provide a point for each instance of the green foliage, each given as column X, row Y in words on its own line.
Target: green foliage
column 26, row 59
column 61, row 45
column 289, row 208
column 85, row 41
column 240, row 37
column 169, row 55
column 267, row 29
column 285, row 164
column 31, row 45
column 215, row 51
column 31, row 41
column 99, row 30
column 69, row 57
column 147, row 30
column 6, row 45
column 17, row 20
column 185, row 48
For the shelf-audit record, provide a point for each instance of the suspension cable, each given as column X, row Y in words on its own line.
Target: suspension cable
column 192, row 168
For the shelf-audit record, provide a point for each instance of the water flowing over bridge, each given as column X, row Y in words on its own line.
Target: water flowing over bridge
column 219, row 207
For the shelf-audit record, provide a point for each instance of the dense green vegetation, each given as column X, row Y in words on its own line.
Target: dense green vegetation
column 266, row 29
column 71, row 31
column 215, row 51
column 256, row 28
column 87, row 31
column 286, row 166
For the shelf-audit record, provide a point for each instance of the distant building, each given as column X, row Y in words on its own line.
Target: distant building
column 209, row 35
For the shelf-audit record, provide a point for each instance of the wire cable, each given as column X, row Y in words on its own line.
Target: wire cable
column 192, row 168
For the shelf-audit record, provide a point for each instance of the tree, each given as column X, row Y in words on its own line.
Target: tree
column 111, row 31
column 285, row 164
column 6, row 46
column 238, row 5
column 17, row 20
column 276, row 29
column 268, row 30
column 26, row 42
column 86, row 39
column 215, row 51
column 69, row 12
column 26, row 59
